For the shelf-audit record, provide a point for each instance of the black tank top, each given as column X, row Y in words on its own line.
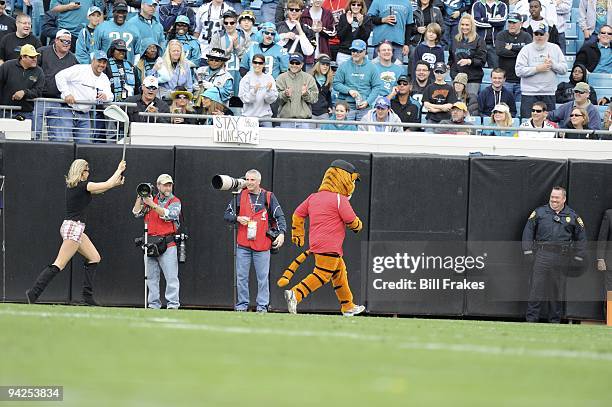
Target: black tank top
column 77, row 199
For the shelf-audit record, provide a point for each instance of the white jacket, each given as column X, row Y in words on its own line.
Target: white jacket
column 257, row 102
column 81, row 82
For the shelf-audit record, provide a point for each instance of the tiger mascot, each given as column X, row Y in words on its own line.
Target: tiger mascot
column 329, row 211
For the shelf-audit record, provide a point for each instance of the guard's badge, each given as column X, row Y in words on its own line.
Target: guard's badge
column 580, row 222
column 533, row 215
column 568, row 219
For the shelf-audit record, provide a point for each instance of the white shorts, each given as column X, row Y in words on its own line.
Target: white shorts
column 72, row 230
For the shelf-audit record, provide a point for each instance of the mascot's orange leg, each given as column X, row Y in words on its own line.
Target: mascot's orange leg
column 342, row 288
column 325, row 266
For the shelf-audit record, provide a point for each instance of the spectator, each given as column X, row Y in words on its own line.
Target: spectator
column 180, row 31
column 321, row 22
column 173, row 70
column 247, row 22
column 538, row 121
column 538, row 65
column 85, row 40
column 147, row 102
column 168, row 13
column 235, row 44
column 265, row 42
column 470, row 99
column 563, row 8
column 500, row 117
column 295, row 36
column 508, row 44
column 425, row 13
column 53, row 58
column 596, row 55
column 593, row 15
column 452, row 11
column 579, row 120
column 48, row 28
column 182, row 104
column 495, row 94
column 357, row 81
column 438, row 98
column 212, row 105
column 490, row 18
column 71, row 15
column 120, row 72
column 323, row 76
column 7, row 23
column 340, row 112
column 536, row 19
column 353, row 24
column 21, row 80
column 381, row 113
column 117, row 28
column 561, row 115
column 338, row 8
column 86, row 83
column 565, row 90
column 422, row 79
column 147, row 25
column 459, row 112
column 11, row 43
column 388, row 71
column 608, row 117
column 392, row 22
column 406, row 108
column 216, row 76
column 208, row 21
column 468, row 54
column 258, row 91
column 297, row 91
column 430, row 49
column 150, row 54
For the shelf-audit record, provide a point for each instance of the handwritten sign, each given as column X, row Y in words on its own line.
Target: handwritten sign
column 236, row 130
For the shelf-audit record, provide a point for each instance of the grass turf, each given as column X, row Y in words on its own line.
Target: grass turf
column 135, row 357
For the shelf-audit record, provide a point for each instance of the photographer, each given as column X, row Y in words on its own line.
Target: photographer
column 256, row 209
column 161, row 213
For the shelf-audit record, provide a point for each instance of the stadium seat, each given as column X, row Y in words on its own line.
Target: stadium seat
column 602, row 91
column 575, row 13
column 487, row 75
column 516, row 122
column 602, row 110
column 600, row 80
column 575, row 3
column 473, row 119
column 486, row 120
column 518, row 109
column 570, row 59
column 570, row 31
column 570, row 47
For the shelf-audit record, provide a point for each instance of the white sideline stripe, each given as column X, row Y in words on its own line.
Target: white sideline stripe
column 176, row 324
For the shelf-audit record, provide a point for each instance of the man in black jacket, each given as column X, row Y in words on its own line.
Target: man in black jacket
column 403, row 105
column 590, row 53
column 508, row 44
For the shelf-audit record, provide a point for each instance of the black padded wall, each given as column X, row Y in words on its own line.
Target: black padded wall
column 297, row 174
column 503, row 192
column 35, row 207
column 416, row 198
column 207, row 277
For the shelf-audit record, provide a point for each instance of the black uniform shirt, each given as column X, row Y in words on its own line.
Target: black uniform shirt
column 546, row 226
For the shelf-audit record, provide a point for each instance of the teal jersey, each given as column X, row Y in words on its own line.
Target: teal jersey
column 108, row 31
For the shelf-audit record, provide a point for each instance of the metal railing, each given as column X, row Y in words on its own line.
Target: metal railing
column 10, row 109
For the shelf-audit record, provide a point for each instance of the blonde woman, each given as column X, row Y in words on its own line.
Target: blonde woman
column 578, row 120
column 78, row 197
column 468, row 54
column 182, row 103
column 174, row 70
column 501, row 117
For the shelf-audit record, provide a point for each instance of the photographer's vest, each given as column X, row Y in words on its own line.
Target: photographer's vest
column 158, row 226
column 261, row 242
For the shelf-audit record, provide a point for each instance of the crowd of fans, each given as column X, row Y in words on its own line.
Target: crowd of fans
column 304, row 61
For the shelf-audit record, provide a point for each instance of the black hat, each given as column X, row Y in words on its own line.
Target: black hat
column 230, row 14
column 120, row 6
column 343, row 165
column 119, row 45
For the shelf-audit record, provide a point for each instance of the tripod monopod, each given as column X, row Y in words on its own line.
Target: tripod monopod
column 235, row 194
column 146, row 241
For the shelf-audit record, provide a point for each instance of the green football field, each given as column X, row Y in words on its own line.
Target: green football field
column 136, row 357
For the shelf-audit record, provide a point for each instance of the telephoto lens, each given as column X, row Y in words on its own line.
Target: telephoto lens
column 144, row 190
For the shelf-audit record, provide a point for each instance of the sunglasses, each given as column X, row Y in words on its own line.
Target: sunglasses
column 269, row 33
column 295, row 63
column 295, row 10
column 579, row 92
column 2, row 3
column 229, row 23
column 356, row 4
column 66, row 42
column 538, row 34
column 182, row 25
column 536, row 110
column 356, row 51
column 258, row 62
column 403, row 83
column 151, row 87
column 576, row 115
column 181, row 97
column 381, row 107
column 212, row 59
column 602, row 32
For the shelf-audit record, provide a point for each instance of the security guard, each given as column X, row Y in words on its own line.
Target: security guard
column 553, row 236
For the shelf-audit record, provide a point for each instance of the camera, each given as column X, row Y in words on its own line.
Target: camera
column 156, row 245
column 182, row 250
column 272, row 234
column 144, row 190
column 227, row 183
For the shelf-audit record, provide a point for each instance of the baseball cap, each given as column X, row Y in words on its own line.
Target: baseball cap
column 247, row 14
column 542, row 28
column 502, row 107
column 582, row 87
column 150, row 81
column 28, row 50
column 515, row 18
column 119, row 45
column 182, row 20
column 98, row 55
column 62, row 32
column 120, row 7
column 403, row 78
column 296, row 57
column 149, row 2
column 440, row 67
column 164, row 179
column 358, row 45
column 324, row 59
column 382, row 101
column 93, row 9
column 460, row 106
